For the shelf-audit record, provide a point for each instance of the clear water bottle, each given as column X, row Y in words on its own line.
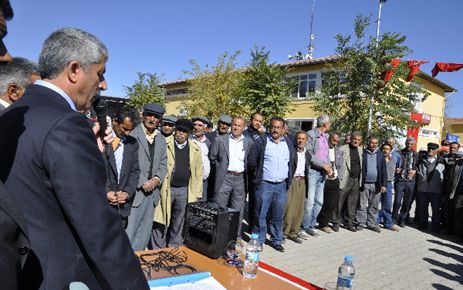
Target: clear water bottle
column 346, row 274
column 251, row 264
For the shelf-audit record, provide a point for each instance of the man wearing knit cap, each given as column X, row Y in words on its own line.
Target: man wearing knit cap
column 168, row 125
column 153, row 162
column 183, row 184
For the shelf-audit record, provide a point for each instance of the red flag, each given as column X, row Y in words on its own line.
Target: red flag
column 414, row 66
column 388, row 75
column 442, row 66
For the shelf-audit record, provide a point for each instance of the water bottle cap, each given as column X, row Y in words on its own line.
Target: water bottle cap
column 348, row 259
column 254, row 236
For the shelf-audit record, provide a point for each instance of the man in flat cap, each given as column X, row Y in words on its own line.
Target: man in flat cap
column 168, row 125
column 153, row 164
column 429, row 185
column 223, row 125
column 199, row 130
column 183, row 184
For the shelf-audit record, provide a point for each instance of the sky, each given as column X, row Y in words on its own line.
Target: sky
column 162, row 36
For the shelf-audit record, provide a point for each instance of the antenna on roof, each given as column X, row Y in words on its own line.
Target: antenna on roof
column 310, row 47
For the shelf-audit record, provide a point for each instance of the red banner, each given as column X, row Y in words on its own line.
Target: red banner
column 445, row 67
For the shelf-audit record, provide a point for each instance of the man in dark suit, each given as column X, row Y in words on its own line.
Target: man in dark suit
column 374, row 182
column 122, row 166
column 52, row 165
column 229, row 154
column 14, row 244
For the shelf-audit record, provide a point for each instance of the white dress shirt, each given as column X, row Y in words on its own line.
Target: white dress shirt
column 300, row 168
column 236, row 151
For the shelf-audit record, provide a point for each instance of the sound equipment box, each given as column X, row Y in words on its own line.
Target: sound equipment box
column 208, row 228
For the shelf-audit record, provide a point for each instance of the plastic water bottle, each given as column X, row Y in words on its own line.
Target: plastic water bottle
column 346, row 274
column 251, row 264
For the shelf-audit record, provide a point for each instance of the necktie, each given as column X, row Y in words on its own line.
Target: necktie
column 116, row 143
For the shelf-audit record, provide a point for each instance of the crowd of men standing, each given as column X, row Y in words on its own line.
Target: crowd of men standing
column 295, row 186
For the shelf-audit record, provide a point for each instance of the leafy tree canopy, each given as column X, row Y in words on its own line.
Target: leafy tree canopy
column 146, row 89
column 358, row 74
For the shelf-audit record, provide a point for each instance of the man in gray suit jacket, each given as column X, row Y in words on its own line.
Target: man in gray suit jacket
column 229, row 153
column 350, row 180
column 153, row 165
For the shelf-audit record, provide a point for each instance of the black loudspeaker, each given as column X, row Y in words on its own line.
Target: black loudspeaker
column 208, row 229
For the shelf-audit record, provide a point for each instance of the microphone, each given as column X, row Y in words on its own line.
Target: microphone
column 100, row 106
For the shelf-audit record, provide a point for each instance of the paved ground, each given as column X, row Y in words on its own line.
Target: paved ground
column 409, row 259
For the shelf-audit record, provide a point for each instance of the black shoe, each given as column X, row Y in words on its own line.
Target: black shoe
column 350, row 228
column 335, row 228
column 279, row 248
column 359, row 228
column 401, row 224
column 295, row 239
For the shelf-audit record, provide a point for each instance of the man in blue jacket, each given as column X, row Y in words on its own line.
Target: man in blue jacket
column 271, row 167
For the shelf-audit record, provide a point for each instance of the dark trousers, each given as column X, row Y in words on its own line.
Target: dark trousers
column 349, row 196
column 455, row 211
column 251, row 205
column 232, row 194
column 435, row 199
column 404, row 190
column 171, row 236
column 330, row 202
column 205, row 186
column 274, row 196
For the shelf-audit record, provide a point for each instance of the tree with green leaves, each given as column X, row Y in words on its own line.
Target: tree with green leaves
column 358, row 74
column 146, row 89
column 215, row 90
column 266, row 88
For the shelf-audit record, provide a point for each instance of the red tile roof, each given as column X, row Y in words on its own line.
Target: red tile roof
column 455, row 121
column 332, row 59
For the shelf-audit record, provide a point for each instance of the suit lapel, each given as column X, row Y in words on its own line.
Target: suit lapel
column 112, row 167
column 141, row 138
column 226, row 144
column 347, row 155
column 247, row 146
column 126, row 160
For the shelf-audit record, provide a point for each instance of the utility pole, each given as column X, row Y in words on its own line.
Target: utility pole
column 310, row 48
column 372, row 97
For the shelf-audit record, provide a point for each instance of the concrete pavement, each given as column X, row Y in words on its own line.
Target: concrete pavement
column 409, row 259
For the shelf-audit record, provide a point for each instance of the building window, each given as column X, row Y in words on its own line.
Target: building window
column 305, row 84
column 295, row 125
column 176, row 92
